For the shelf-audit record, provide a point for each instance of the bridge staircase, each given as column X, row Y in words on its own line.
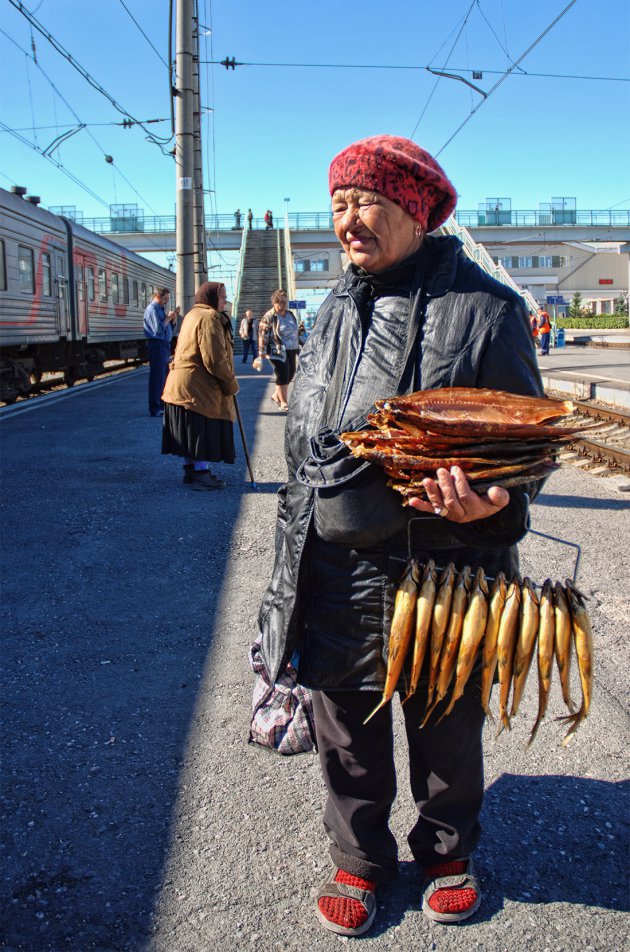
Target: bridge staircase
column 478, row 253
column 262, row 270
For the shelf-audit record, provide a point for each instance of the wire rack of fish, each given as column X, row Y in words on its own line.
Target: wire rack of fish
column 453, row 619
column 496, row 438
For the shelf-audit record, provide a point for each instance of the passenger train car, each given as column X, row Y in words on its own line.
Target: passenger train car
column 69, row 299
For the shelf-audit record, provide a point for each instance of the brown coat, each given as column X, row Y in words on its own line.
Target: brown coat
column 201, row 377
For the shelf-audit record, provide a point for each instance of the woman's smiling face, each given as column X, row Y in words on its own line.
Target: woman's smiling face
column 375, row 232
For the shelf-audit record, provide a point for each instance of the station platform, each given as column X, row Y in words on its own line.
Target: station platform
column 589, row 373
column 136, row 816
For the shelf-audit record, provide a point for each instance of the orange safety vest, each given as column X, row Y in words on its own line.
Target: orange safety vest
column 534, row 326
column 544, row 326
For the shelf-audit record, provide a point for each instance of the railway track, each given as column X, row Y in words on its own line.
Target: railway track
column 607, row 451
column 52, row 382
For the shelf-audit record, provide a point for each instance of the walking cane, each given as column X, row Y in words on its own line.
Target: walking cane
column 240, row 426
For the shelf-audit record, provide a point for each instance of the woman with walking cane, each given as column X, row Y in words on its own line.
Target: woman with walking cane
column 199, row 406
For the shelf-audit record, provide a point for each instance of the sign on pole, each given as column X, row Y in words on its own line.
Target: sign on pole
column 297, row 304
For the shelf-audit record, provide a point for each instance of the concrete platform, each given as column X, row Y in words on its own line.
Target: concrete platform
column 135, row 816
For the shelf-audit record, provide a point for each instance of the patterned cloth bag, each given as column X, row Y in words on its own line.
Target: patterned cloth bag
column 282, row 713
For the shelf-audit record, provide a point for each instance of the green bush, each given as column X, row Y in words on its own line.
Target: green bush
column 615, row 321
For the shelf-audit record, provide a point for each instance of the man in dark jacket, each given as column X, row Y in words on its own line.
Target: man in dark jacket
column 410, row 313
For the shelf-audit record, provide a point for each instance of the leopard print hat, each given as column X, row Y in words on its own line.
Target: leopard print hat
column 401, row 171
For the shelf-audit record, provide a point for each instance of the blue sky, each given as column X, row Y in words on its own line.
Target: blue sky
column 273, row 130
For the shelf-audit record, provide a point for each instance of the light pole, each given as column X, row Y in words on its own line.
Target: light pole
column 286, row 212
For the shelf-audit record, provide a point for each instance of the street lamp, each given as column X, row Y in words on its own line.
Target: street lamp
column 286, row 212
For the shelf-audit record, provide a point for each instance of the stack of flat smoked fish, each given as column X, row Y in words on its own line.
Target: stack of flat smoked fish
column 452, row 621
column 497, row 438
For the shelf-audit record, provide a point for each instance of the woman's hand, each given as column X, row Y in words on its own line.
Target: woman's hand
column 451, row 496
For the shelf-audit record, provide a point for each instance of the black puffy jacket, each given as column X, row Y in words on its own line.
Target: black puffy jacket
column 473, row 332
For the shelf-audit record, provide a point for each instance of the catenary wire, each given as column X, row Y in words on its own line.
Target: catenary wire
column 156, row 140
column 507, row 73
column 78, row 118
column 58, row 165
column 154, row 48
column 435, row 85
column 410, row 66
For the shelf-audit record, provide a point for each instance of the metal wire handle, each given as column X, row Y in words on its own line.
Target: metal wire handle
column 490, row 578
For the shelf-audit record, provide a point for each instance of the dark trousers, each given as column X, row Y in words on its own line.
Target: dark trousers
column 247, row 344
column 357, row 762
column 159, row 355
column 544, row 343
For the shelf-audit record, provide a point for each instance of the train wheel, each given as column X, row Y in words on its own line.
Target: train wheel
column 70, row 377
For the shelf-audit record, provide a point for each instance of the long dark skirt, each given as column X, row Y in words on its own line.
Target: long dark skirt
column 194, row 436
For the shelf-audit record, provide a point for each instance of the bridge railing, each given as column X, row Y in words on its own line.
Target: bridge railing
column 481, row 257
column 317, row 221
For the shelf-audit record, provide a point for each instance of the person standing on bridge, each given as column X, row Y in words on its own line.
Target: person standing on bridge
column 198, row 397
column 411, row 312
column 250, row 218
column 158, row 331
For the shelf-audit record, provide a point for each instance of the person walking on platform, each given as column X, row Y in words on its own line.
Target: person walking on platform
column 198, row 397
column 269, row 219
column 411, row 312
column 250, row 218
column 544, row 331
column 158, row 331
column 278, row 342
column 248, row 332
column 237, row 219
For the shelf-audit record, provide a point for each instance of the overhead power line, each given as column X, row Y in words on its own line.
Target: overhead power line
column 232, row 62
column 56, row 163
column 160, row 142
column 154, row 48
column 507, row 73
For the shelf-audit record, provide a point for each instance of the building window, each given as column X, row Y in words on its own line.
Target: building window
column 3, row 268
column 90, row 283
column 525, row 261
column 26, row 269
column 102, row 286
column 134, row 298
column 302, row 265
column 125, row 290
column 46, row 275
column 114, row 283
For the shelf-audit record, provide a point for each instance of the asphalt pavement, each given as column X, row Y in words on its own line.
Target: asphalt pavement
column 135, row 816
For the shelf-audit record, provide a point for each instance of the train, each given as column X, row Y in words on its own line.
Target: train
column 69, row 299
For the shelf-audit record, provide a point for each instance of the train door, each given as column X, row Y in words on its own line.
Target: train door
column 61, row 292
column 81, row 296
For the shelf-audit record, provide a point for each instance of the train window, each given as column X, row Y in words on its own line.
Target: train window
column 143, row 295
column 80, row 281
column 26, row 269
column 3, row 268
column 114, row 284
column 134, row 298
column 46, row 275
column 126, row 290
column 102, row 285
column 90, row 283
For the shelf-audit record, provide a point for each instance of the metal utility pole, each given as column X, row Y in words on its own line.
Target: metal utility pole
column 199, row 223
column 184, row 155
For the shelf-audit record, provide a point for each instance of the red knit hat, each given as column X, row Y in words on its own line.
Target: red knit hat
column 401, row 171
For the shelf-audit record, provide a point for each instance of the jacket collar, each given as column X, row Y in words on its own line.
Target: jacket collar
column 439, row 276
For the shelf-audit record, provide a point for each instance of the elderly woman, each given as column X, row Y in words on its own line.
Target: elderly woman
column 279, row 327
column 411, row 312
column 198, row 396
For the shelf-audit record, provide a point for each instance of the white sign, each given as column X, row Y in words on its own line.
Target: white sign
column 184, row 183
